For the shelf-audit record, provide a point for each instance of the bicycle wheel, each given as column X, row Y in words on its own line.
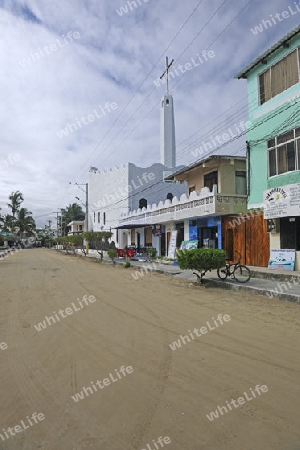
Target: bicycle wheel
column 222, row 273
column 242, row 274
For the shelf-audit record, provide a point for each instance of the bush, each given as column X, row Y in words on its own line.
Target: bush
column 201, row 259
column 126, row 264
column 112, row 253
column 152, row 252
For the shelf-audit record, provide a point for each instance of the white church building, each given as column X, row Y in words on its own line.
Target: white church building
column 116, row 192
column 119, row 192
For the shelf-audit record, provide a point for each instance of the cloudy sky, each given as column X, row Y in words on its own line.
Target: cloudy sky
column 78, row 85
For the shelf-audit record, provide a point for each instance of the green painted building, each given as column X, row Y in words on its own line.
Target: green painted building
column 273, row 140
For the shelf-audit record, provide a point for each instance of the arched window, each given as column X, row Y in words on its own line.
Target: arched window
column 142, row 203
column 170, row 196
column 167, row 101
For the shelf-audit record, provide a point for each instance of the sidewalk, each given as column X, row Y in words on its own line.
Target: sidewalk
column 279, row 284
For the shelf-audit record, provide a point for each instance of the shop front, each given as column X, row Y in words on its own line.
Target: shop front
column 282, row 212
column 208, row 232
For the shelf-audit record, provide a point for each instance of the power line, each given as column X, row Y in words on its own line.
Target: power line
column 145, row 79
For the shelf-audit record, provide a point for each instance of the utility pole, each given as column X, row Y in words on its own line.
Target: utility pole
column 87, row 205
column 86, row 210
column 166, row 72
column 56, row 212
column 61, row 216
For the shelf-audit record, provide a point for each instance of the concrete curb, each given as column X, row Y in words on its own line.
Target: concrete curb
column 274, row 276
column 254, row 290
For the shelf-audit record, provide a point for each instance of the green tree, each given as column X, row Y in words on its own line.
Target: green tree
column 25, row 222
column 8, row 223
column 69, row 214
column 99, row 240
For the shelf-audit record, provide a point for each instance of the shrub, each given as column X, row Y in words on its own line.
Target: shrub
column 126, row 264
column 201, row 259
column 112, row 253
column 152, row 252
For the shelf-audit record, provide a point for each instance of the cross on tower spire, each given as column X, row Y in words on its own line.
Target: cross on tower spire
column 166, row 72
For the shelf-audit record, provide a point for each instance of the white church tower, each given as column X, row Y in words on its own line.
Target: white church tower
column 167, row 126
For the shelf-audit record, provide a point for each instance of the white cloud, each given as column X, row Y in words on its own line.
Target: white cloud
column 107, row 64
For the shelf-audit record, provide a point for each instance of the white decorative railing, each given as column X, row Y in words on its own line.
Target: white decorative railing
column 205, row 204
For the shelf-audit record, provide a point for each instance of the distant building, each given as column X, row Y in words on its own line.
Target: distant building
column 76, row 227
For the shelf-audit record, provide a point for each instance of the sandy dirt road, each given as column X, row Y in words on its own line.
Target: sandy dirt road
column 131, row 323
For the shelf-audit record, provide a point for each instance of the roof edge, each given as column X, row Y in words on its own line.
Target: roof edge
column 243, row 73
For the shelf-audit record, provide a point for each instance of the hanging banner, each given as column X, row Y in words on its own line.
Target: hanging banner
column 157, row 230
column 172, row 245
column 282, row 201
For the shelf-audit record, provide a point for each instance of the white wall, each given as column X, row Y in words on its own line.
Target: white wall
column 117, row 190
column 107, row 193
column 155, row 190
column 274, row 241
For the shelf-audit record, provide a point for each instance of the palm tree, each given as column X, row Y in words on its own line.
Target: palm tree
column 25, row 221
column 16, row 199
column 8, row 223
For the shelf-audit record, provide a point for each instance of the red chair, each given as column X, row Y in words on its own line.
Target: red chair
column 120, row 253
column 130, row 252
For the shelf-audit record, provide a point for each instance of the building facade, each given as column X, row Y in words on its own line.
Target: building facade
column 273, row 140
column 215, row 196
column 118, row 191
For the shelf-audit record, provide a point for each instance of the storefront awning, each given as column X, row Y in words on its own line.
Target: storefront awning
column 129, row 226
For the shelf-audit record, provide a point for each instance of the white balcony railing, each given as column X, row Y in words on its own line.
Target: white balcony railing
column 205, row 204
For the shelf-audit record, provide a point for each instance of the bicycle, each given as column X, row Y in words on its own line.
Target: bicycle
column 240, row 272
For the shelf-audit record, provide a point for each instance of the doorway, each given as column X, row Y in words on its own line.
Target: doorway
column 208, row 237
column 229, row 244
column 163, row 244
